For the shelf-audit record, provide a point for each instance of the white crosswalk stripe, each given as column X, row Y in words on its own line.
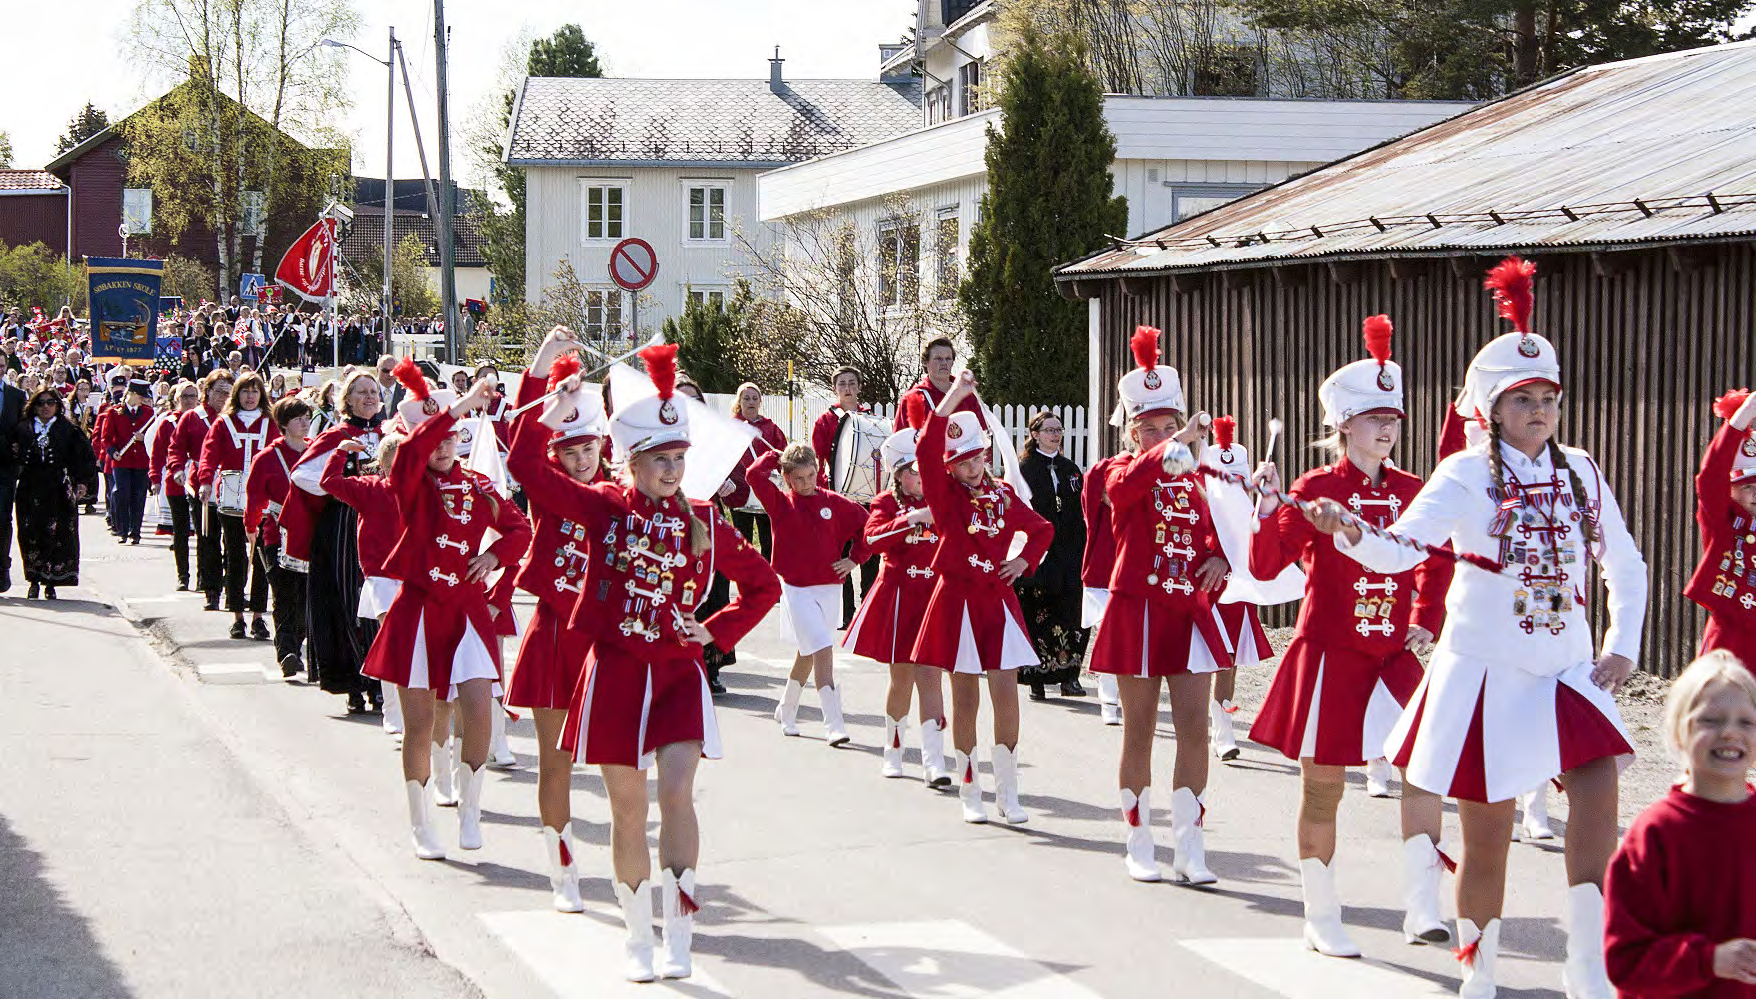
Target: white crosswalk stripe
column 1285, row 965
column 580, row 956
column 951, row 960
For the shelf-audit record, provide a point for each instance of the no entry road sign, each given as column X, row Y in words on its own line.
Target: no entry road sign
column 633, row 264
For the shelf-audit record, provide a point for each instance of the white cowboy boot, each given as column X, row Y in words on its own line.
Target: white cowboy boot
column 469, row 808
column 1584, row 975
column 393, row 714
column 835, row 731
column 787, row 711
column 1536, row 813
column 680, row 909
column 563, row 876
column 969, row 788
column 1324, row 932
column 1481, row 947
column 442, row 783
column 1222, row 739
column 426, row 838
column 500, row 754
column 1006, row 786
column 1189, row 865
column 636, row 905
column 1421, row 867
column 1109, row 699
column 1142, row 854
column 1378, row 778
column 933, row 753
column 893, row 746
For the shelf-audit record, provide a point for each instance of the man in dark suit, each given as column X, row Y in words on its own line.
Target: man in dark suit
column 12, row 404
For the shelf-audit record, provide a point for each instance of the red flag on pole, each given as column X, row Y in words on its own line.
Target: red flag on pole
column 308, row 269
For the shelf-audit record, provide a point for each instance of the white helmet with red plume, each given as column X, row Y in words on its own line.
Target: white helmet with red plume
column 1367, row 386
column 1149, row 389
column 656, row 420
column 1516, row 358
column 899, row 448
column 423, row 401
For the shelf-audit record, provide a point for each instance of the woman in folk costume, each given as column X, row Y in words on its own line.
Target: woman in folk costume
column 366, row 493
column 552, row 655
column 1051, row 597
column 1352, row 663
column 1159, row 629
column 438, row 640
column 1724, row 583
column 643, row 699
column 973, row 626
column 322, row 537
column 1514, row 694
column 181, row 462
column 812, row 528
column 900, row 528
column 56, row 469
column 242, row 431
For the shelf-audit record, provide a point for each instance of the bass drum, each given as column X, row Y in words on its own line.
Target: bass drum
column 859, row 472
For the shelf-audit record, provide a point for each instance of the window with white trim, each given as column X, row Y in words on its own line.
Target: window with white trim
column 707, row 211
column 946, row 232
column 899, row 263
column 137, row 210
column 603, row 209
column 712, row 299
column 969, row 88
column 603, row 314
column 1188, row 200
column 938, row 104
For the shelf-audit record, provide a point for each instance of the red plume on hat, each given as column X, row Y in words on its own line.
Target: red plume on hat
column 1144, row 344
column 914, row 410
column 661, row 367
column 565, row 367
column 1225, row 431
column 1378, row 332
column 1511, row 281
column 409, row 373
column 1727, row 406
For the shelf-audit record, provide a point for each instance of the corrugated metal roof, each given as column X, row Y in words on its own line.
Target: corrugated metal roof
column 565, row 120
column 1648, row 150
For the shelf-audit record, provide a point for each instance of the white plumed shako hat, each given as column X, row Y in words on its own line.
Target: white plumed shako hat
column 899, row 448
column 1151, row 387
column 964, row 436
column 423, row 401
column 1366, row 386
column 1744, row 462
column 585, row 413
column 654, row 421
column 1226, row 454
column 1516, row 358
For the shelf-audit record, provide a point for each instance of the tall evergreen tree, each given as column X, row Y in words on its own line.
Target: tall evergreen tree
column 1049, row 200
column 88, row 122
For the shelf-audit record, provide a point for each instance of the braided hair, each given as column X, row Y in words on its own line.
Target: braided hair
column 1587, row 523
column 1497, row 468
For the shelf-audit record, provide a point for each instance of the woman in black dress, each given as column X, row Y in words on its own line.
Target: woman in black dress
column 57, row 470
column 1051, row 597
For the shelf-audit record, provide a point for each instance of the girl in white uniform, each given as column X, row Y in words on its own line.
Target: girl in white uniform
column 1515, row 693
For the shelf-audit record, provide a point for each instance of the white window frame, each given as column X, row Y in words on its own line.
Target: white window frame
column 587, row 185
column 896, row 297
column 724, row 188
column 1181, row 191
column 943, row 254
column 969, row 92
column 134, row 200
column 704, row 294
column 937, row 104
column 602, row 302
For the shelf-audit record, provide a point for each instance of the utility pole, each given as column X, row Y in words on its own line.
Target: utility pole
column 447, row 199
column 389, row 183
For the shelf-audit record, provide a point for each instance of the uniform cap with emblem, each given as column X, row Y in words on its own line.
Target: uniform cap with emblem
column 424, row 401
column 585, row 413
column 1151, row 388
column 1514, row 359
column 656, row 420
column 1226, row 454
column 964, row 436
column 1744, row 462
column 899, row 448
column 1365, row 386
column 140, row 387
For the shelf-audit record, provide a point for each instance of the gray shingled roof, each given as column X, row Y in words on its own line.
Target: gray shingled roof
column 685, row 122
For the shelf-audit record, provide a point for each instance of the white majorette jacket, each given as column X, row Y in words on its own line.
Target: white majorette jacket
column 1517, row 643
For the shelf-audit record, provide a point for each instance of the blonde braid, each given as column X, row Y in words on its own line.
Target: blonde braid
column 1588, row 524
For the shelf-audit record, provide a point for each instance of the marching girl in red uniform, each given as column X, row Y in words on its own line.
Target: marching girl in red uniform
column 1515, row 693
column 1352, row 664
column 974, row 627
column 242, row 431
column 266, row 491
column 900, row 528
column 167, row 479
column 552, row 655
column 811, row 527
column 1160, row 628
column 1724, row 583
column 438, row 641
column 182, row 459
column 643, row 699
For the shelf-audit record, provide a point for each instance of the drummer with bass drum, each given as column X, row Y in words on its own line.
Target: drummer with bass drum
column 847, row 441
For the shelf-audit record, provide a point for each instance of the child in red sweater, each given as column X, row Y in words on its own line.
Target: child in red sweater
column 812, row 527
column 1680, row 897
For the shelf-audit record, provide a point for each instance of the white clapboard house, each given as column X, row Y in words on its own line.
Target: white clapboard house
column 675, row 162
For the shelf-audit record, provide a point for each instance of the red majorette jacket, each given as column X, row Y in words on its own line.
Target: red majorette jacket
column 809, row 531
column 124, row 431
column 444, row 517
column 560, row 552
column 1099, row 561
column 907, row 548
column 374, row 501
column 975, row 526
column 1725, row 581
column 1345, row 603
column 161, row 454
column 185, row 447
column 265, row 491
column 231, row 446
column 1163, row 531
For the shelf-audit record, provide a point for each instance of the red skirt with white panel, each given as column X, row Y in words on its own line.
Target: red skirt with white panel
column 970, row 629
column 428, row 646
column 550, row 661
column 1142, row 637
column 1243, row 629
column 626, row 709
column 1334, row 704
column 889, row 620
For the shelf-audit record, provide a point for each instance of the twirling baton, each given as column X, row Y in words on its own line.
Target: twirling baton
column 609, row 362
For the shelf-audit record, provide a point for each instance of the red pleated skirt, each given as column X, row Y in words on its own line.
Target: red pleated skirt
column 1142, row 637
column 625, row 709
column 1335, row 704
column 889, row 619
column 550, row 661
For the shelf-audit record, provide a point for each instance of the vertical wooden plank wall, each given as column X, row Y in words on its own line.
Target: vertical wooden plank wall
column 1646, row 345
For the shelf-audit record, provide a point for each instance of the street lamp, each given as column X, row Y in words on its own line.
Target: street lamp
column 389, row 63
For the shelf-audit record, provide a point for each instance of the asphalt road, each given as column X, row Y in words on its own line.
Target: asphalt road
column 176, row 821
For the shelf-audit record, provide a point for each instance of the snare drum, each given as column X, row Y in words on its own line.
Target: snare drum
column 228, row 494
